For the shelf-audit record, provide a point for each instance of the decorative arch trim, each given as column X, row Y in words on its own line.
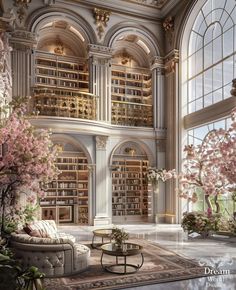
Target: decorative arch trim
column 143, row 145
column 130, row 28
column 45, row 15
column 71, row 140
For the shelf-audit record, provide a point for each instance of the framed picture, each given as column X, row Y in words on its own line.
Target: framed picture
column 48, row 213
column 65, row 214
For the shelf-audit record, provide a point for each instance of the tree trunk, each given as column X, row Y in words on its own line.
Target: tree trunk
column 208, row 201
column 217, row 204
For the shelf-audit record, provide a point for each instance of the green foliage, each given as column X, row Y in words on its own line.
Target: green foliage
column 119, row 235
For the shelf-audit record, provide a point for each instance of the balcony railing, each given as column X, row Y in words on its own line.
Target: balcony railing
column 62, row 103
column 132, row 114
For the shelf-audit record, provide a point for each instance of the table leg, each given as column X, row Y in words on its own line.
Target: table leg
column 139, row 266
column 125, row 264
column 101, row 262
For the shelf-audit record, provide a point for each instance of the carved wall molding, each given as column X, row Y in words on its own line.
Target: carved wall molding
column 168, row 25
column 158, row 64
column 22, row 6
column 170, row 61
column 101, row 142
column 23, row 40
column 5, row 69
column 153, row 3
column 101, row 18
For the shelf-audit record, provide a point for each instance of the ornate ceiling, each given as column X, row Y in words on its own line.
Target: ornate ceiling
column 151, row 3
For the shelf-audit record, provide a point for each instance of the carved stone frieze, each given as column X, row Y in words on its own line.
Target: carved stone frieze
column 168, row 26
column 5, row 70
column 101, row 142
column 158, row 64
column 101, row 17
column 170, row 61
column 23, row 40
column 22, row 6
column 153, row 3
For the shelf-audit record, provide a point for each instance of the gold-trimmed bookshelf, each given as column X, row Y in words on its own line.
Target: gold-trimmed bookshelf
column 67, row 198
column 131, row 94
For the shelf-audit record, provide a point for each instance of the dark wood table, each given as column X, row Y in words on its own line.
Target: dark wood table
column 127, row 250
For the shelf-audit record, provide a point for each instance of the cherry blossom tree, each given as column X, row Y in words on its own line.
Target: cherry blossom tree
column 209, row 168
column 26, row 160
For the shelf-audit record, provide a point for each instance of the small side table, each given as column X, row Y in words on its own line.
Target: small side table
column 131, row 249
column 103, row 234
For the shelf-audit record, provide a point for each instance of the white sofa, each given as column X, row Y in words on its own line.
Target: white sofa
column 56, row 257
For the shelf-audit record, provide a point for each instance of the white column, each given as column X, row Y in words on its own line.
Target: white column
column 91, row 193
column 103, row 196
column 100, row 79
column 173, row 132
column 23, row 43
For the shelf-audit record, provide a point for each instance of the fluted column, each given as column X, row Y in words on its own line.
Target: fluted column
column 23, row 43
column 103, row 198
column 100, row 79
column 5, row 63
column 173, row 131
column 158, row 92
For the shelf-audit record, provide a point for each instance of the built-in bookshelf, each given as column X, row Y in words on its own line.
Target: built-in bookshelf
column 67, row 198
column 61, row 72
column 129, row 188
column 131, row 93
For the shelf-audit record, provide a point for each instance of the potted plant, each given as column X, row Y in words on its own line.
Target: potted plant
column 119, row 236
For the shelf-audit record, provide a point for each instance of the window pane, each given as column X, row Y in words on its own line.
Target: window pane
column 217, row 76
column 191, row 90
column 199, row 42
column 199, row 104
column 208, row 55
column 228, row 42
column 191, row 66
column 217, row 96
column 208, row 81
column 199, row 91
column 224, row 17
column 199, row 61
column 218, row 4
column 217, row 49
column 206, row 9
column 228, row 70
column 208, row 100
column 228, row 24
column 216, row 14
column 208, row 35
column 192, row 42
column 230, row 4
column 198, row 22
column 227, row 88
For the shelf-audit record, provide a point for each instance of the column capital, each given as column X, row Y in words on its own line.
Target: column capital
column 170, row 60
column 91, row 167
column 23, row 40
column 158, row 64
column 101, row 142
column 100, row 51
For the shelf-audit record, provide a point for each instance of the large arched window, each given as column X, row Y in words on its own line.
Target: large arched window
column 208, row 67
column 211, row 54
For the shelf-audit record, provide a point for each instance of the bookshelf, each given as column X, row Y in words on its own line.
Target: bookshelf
column 130, row 197
column 61, row 72
column 131, row 96
column 67, row 198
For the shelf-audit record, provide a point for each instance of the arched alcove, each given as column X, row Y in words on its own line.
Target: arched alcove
column 129, row 163
column 68, row 198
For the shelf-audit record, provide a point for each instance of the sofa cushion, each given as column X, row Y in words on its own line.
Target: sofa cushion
column 42, row 229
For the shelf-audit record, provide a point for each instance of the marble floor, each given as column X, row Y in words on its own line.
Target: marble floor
column 217, row 251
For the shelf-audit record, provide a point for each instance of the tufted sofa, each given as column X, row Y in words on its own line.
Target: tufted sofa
column 56, row 257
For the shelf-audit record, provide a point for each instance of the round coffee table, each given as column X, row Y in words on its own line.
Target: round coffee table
column 128, row 249
column 103, row 234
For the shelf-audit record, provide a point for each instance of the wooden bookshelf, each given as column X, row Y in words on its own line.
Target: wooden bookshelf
column 131, row 96
column 129, row 189
column 62, row 72
column 67, row 198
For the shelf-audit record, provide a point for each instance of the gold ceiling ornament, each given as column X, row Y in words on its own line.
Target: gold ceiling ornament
column 130, row 151
column 59, row 49
column 168, row 25
column 125, row 58
column 101, row 18
column 22, row 6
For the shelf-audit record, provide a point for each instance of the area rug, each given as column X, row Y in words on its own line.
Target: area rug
column 160, row 265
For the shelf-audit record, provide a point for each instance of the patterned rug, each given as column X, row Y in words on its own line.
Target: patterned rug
column 160, row 265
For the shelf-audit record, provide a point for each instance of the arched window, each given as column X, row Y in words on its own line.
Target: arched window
column 211, row 54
